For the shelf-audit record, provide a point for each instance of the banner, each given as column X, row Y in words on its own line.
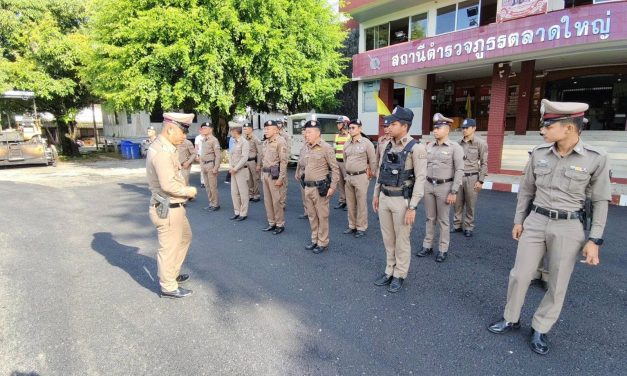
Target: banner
column 512, row 9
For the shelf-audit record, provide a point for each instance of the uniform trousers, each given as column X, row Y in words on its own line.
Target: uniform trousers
column 175, row 236
column 466, row 199
column 253, row 182
column 437, row 211
column 395, row 235
column 272, row 201
column 561, row 241
column 357, row 201
column 239, row 192
column 211, row 184
column 317, row 208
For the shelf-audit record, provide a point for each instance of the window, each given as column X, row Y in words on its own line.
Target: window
column 445, row 21
column 459, row 16
column 369, row 90
column 418, row 26
column 129, row 118
column 370, row 38
column 377, row 36
column 399, row 31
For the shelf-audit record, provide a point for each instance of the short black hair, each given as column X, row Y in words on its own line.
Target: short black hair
column 405, row 122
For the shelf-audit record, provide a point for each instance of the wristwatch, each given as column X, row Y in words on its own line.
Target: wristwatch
column 597, row 241
column 412, row 208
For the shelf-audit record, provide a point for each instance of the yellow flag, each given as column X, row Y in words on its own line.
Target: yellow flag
column 381, row 107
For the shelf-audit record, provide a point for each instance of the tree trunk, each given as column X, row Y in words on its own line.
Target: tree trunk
column 68, row 145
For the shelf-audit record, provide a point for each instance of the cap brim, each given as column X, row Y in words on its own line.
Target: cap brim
column 390, row 119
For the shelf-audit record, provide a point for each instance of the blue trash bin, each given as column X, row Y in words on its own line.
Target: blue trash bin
column 125, row 147
column 134, row 151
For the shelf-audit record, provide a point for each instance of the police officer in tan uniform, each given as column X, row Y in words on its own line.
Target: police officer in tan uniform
column 360, row 164
column 167, row 203
column 210, row 156
column 254, row 161
column 238, row 159
column 273, row 165
column 548, row 218
column 300, row 172
column 475, row 171
column 187, row 155
column 399, row 188
column 281, row 123
column 445, row 169
column 320, row 174
column 341, row 138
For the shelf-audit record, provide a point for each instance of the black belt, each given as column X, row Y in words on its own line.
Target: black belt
column 556, row 214
column 355, row 173
column 391, row 193
column 266, row 169
column 339, row 159
column 172, row 206
column 439, row 181
column 205, row 162
column 252, row 159
column 470, row 173
column 312, row 183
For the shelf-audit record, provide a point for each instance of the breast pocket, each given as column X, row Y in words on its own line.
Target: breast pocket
column 577, row 180
column 543, row 176
column 472, row 155
column 445, row 158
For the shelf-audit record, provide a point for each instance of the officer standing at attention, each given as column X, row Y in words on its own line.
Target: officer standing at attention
column 202, row 133
column 238, row 158
column 553, row 187
column 254, row 161
column 445, row 169
column 210, row 157
column 281, row 123
column 273, row 165
column 475, row 171
column 360, row 162
column 320, row 174
column 398, row 191
column 167, row 203
column 341, row 138
column 187, row 156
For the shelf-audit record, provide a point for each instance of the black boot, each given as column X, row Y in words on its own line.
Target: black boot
column 538, row 342
column 503, row 326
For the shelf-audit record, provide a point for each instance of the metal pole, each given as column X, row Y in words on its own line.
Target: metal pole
column 93, row 114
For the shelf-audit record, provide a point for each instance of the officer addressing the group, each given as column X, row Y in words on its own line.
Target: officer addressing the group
column 167, row 203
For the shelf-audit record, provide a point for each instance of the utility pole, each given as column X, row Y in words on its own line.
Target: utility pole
column 93, row 114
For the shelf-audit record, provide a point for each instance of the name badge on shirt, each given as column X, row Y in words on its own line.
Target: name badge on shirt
column 445, row 152
column 578, row 169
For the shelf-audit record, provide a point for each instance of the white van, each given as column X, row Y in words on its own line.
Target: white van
column 295, row 125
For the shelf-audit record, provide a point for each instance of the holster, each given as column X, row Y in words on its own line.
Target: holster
column 323, row 187
column 274, row 172
column 302, row 181
column 162, row 206
column 586, row 214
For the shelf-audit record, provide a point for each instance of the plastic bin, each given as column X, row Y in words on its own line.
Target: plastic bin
column 125, row 148
column 134, row 151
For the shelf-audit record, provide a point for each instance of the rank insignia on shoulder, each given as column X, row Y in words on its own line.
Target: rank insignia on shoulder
column 579, row 169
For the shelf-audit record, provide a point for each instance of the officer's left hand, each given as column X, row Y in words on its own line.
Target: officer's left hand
column 186, row 165
column 591, row 253
column 478, row 186
column 278, row 183
column 330, row 192
column 451, row 198
column 410, row 217
column 232, row 171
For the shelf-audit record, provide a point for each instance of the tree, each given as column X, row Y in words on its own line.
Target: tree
column 41, row 44
column 216, row 56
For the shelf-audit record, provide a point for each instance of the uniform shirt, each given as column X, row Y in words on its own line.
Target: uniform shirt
column 186, row 152
column 416, row 161
column 359, row 155
column 274, row 152
column 299, row 168
column 163, row 171
column 238, row 156
column 318, row 161
column 381, row 144
column 475, row 156
column 445, row 161
column 211, row 150
column 288, row 140
column 555, row 182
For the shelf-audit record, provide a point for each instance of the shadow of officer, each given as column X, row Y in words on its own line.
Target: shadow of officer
column 141, row 268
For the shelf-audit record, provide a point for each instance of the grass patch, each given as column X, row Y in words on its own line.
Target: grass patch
column 92, row 157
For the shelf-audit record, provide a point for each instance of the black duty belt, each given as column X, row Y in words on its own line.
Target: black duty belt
column 439, row 181
column 470, row 173
column 391, row 193
column 172, row 206
column 556, row 214
column 312, row 183
column 266, row 169
column 355, row 173
column 339, row 159
column 205, row 162
column 252, row 159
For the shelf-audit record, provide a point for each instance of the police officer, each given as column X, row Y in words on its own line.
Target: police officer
column 445, row 168
column 300, row 172
column 399, row 188
column 238, row 159
column 187, row 156
column 360, row 162
column 281, row 123
column 341, row 138
column 167, row 203
column 254, row 161
column 553, row 187
column 202, row 133
column 320, row 174
column 475, row 170
column 273, row 165
column 152, row 135
column 210, row 156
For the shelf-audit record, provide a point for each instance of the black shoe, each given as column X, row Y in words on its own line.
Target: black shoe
column 383, row 280
column 202, row 186
column 178, row 293
column 241, row 218
column 311, row 246
column 359, row 234
column 395, row 285
column 538, row 342
column 234, row 217
column 319, row 249
column 340, row 205
column 424, row 252
column 278, row 230
column 540, row 283
column 503, row 326
column 303, row 216
column 269, row 228
column 454, row 230
column 349, row 231
column 468, row 234
column 213, row 208
column 441, row 256
column 255, row 199
column 182, row 278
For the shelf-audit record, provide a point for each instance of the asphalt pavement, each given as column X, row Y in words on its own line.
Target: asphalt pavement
column 79, row 295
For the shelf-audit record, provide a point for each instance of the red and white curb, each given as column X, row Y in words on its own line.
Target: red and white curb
column 620, row 200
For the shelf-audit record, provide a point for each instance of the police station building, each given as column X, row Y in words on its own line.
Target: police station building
column 495, row 60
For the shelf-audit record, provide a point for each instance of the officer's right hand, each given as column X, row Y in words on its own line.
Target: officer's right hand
column 192, row 192
column 297, row 177
column 214, row 171
column 258, row 168
column 375, row 204
column 278, row 183
column 517, row 232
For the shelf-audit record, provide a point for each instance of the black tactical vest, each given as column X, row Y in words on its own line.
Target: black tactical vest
column 392, row 172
